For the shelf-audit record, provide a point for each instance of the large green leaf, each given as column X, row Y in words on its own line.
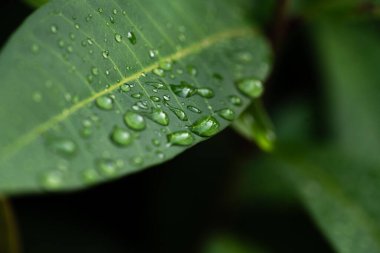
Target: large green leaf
column 76, row 73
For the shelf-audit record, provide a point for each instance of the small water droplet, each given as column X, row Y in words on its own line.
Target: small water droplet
column 100, row 10
column 193, row 109
column 132, row 38
column 134, row 121
column 104, row 103
column 159, row 72
column 183, row 90
column 227, row 114
column 54, row 29
column 251, row 87
column 35, row 48
column 160, row 117
column 105, row 54
column 64, row 147
column 235, row 100
column 137, row 95
column 192, row 70
column 107, row 167
column 153, row 53
column 121, row 137
column 125, row 88
column 205, row 92
column 155, row 99
column 181, row 115
column 118, row 38
column 90, row 176
column 95, row 71
column 137, row 160
column 166, row 65
column 156, row 142
column 206, row 127
column 180, row 138
column 76, row 26
column 114, row 11
column 37, row 97
column 53, row 180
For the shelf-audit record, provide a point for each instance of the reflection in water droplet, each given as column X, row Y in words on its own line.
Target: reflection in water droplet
column 251, row 87
column 132, row 38
column 205, row 92
column 206, row 127
column 227, row 114
column 160, row 117
column 183, row 90
column 134, row 121
column 180, row 138
column 121, row 137
column 104, row 103
column 193, row 109
column 235, row 100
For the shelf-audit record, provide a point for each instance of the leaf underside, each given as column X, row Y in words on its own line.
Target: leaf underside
column 75, row 70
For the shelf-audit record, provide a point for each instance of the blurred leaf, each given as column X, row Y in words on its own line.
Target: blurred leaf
column 36, row 3
column 229, row 244
column 91, row 69
column 8, row 232
column 339, row 191
column 349, row 57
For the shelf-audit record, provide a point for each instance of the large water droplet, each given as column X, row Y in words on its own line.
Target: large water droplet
column 104, row 103
column 132, row 38
column 160, row 117
column 180, row 138
column 251, row 87
column 227, row 114
column 121, row 137
column 134, row 121
column 183, row 90
column 206, row 127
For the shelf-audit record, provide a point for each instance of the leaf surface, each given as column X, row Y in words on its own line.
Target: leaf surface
column 92, row 90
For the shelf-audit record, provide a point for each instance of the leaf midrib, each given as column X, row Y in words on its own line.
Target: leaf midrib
column 24, row 140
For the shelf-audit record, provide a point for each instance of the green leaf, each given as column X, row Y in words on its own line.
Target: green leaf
column 350, row 56
column 339, row 191
column 93, row 90
column 36, row 3
column 8, row 232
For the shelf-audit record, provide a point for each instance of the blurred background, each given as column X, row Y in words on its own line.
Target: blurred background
column 226, row 195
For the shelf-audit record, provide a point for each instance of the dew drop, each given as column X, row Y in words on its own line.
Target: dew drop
column 192, row 70
column 107, row 167
column 118, row 38
column 95, row 71
column 180, row 138
column 132, row 38
column 64, row 147
column 193, row 109
column 206, row 127
column 114, row 11
column 181, row 115
column 52, row 180
column 137, row 95
column 125, row 88
column 90, row 176
column 121, row 137
column 166, row 65
column 159, row 72
column 235, row 100
column 155, row 99
column 227, row 114
column 153, row 53
column 156, row 142
column 35, row 48
column 251, row 87
column 37, row 97
column 134, row 121
column 205, row 92
column 104, row 103
column 137, row 160
column 54, row 29
column 105, row 54
column 100, row 10
column 183, row 90
column 160, row 117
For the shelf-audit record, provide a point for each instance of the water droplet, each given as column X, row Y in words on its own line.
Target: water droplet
column 160, row 117
column 76, row 26
column 235, row 100
column 159, row 72
column 132, row 38
column 104, row 103
column 35, row 48
column 251, row 87
column 64, row 147
column 114, row 11
column 227, row 114
column 166, row 97
column 155, row 99
column 181, row 115
column 166, row 65
column 183, row 90
column 100, row 10
column 72, row 36
column 134, row 121
column 118, row 37
column 160, row 155
column 107, row 167
column 192, row 70
column 137, row 95
column 205, row 92
column 206, row 127
column 137, row 161
column 193, row 109
column 53, row 180
column 156, row 142
column 180, row 138
column 95, row 71
column 90, row 176
column 153, row 53
column 121, row 137
column 105, row 54
column 54, row 29
column 125, row 88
